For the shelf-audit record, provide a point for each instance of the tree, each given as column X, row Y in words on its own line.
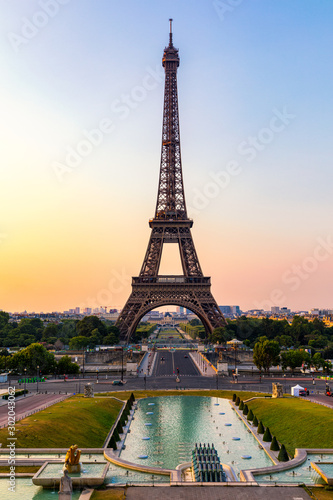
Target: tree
column 32, row 356
column 65, row 365
column 4, row 319
column 283, row 455
column 88, row 324
column 292, row 359
column 79, row 342
column 218, row 335
column 317, row 361
column 110, row 339
column 266, row 353
column 50, row 331
column 267, row 435
column 274, row 445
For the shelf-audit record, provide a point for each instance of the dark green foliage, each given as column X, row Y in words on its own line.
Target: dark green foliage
column 115, row 435
column 250, row 415
column 246, row 410
column 267, row 435
column 119, row 427
column 237, row 402
column 17, row 393
column 65, row 365
column 261, row 428
column 241, row 405
column 255, row 421
column 274, row 445
column 234, row 397
column 113, row 442
column 283, row 455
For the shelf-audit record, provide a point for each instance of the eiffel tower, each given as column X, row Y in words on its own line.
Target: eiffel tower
column 170, row 225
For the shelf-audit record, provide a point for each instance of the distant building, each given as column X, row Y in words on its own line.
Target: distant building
column 87, row 310
column 230, row 310
column 284, row 310
column 77, row 310
column 225, row 309
column 275, row 310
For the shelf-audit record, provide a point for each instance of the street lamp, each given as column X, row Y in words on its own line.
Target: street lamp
column 25, row 380
column 83, row 352
column 122, row 363
column 37, row 376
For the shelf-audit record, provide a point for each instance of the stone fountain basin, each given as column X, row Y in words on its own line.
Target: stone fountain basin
column 44, row 478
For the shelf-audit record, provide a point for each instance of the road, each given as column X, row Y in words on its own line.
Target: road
column 171, row 364
column 26, row 405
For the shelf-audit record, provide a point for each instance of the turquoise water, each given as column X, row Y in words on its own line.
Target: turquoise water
column 26, row 490
column 119, row 475
column 88, row 470
column 301, row 474
column 327, row 468
column 178, row 422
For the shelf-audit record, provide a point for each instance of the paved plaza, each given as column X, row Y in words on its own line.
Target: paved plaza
column 216, row 493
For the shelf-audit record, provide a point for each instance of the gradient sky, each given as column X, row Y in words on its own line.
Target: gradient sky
column 74, row 230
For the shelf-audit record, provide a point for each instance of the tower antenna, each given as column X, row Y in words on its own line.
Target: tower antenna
column 170, row 39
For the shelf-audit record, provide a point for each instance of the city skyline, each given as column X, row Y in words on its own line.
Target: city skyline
column 82, row 107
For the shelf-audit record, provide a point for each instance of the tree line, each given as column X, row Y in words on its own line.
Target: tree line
column 300, row 334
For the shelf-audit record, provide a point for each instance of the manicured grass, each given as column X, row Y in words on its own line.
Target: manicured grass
column 296, row 423
column 29, row 469
column 322, row 494
column 124, row 395
column 111, row 494
column 84, row 421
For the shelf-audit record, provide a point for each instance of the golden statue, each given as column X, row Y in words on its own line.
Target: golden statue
column 72, row 459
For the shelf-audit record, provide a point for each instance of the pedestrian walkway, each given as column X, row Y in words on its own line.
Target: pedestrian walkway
column 201, row 362
column 216, row 493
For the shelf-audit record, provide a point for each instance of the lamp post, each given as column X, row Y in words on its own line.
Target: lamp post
column 37, row 376
column 25, row 380
column 122, row 363
column 83, row 352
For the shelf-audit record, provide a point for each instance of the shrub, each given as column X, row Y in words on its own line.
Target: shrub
column 267, row 435
column 237, row 402
column 234, row 397
column 261, row 428
column 250, row 415
column 255, row 421
column 283, row 455
column 274, row 445
column 241, row 405
column 119, row 427
column 115, row 435
column 113, row 443
column 246, row 410
column 17, row 393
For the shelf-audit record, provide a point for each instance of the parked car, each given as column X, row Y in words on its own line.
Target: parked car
column 304, row 392
column 117, row 382
column 186, row 356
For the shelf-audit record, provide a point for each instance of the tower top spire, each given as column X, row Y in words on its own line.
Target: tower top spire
column 170, row 34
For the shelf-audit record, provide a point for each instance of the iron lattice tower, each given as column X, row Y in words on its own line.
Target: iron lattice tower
column 170, row 225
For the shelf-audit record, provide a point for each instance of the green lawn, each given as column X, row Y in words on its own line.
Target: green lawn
column 321, row 493
column 296, row 423
column 85, row 421
column 27, row 469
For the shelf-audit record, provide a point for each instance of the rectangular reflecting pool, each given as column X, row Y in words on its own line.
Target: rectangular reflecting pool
column 165, row 430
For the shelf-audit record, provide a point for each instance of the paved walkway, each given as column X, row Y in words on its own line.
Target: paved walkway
column 318, row 398
column 216, row 493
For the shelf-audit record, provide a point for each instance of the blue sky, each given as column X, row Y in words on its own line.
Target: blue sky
column 65, row 233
